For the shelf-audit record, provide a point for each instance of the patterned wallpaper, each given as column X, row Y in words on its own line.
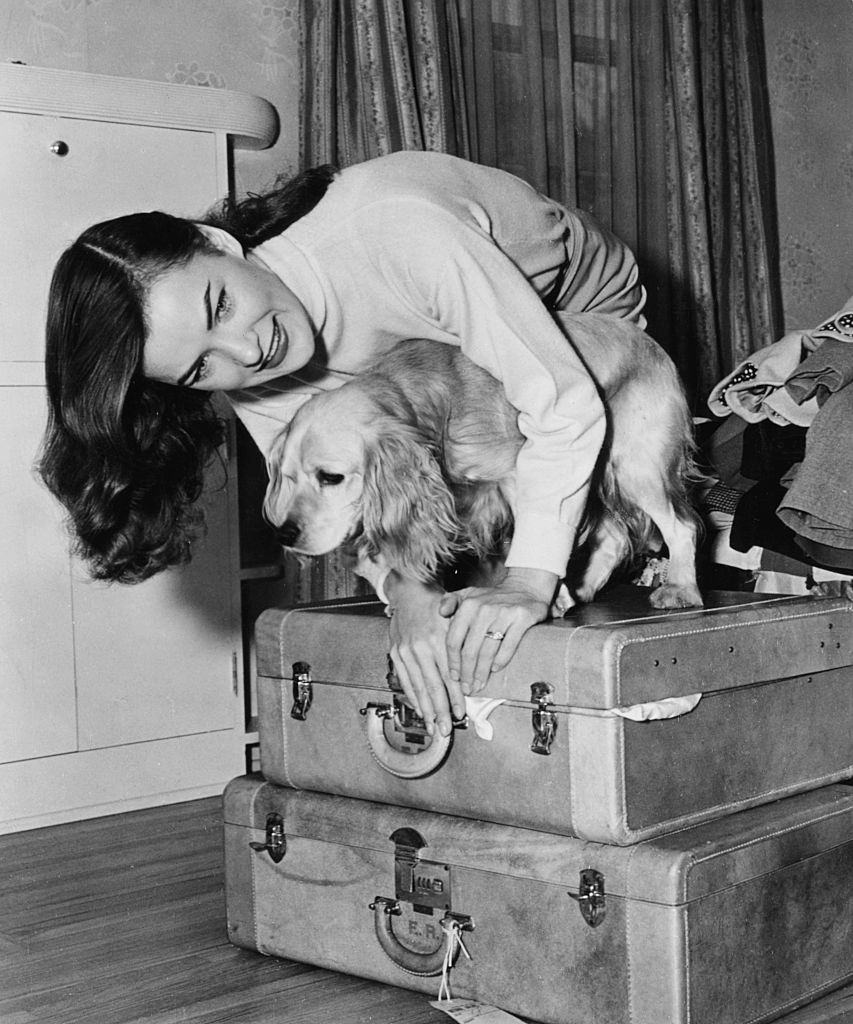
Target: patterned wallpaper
column 246, row 45
column 810, row 81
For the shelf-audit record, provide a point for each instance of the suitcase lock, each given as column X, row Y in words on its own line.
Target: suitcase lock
column 420, row 882
column 302, row 690
column 544, row 720
column 276, row 844
column 590, row 896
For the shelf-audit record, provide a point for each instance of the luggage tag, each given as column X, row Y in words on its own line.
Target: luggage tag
column 466, row 1011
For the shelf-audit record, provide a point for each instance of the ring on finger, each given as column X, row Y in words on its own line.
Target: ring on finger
column 494, row 634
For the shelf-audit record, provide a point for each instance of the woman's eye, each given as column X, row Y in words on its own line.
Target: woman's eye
column 329, row 479
column 223, row 305
column 202, row 371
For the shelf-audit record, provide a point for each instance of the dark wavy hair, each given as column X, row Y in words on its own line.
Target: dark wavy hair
column 125, row 455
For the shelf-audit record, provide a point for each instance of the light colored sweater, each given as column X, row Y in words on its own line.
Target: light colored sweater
column 424, row 245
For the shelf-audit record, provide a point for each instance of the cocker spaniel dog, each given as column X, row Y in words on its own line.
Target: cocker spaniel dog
column 413, row 462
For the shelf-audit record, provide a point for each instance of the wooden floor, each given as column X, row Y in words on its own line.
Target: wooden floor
column 121, row 919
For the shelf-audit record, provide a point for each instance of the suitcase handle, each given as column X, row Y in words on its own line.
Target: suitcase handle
column 398, row 762
column 422, row 965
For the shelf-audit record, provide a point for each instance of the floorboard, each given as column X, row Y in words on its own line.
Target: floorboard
column 120, row 920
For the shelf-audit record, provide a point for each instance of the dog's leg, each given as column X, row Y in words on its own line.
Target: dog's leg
column 651, row 483
column 660, row 496
column 680, row 589
column 608, row 545
column 650, row 462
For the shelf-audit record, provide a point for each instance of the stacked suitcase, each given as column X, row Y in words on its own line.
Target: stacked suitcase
column 642, row 818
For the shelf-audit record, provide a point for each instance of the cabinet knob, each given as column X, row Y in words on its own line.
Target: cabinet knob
column 59, row 147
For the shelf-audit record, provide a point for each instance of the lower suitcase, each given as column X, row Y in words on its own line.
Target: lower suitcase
column 732, row 921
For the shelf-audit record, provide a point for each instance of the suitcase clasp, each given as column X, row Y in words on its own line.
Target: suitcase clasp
column 302, row 690
column 590, row 896
column 379, row 709
column 544, row 720
column 276, row 844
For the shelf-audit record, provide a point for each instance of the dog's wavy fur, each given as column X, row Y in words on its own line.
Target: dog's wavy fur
column 412, row 463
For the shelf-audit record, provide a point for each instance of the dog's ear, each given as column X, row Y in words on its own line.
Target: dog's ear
column 274, row 461
column 408, row 514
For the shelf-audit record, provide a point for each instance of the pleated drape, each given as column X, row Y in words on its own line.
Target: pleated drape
column 723, row 242
column 379, row 76
column 652, row 115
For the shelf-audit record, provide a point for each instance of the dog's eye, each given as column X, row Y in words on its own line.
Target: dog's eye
column 329, row 479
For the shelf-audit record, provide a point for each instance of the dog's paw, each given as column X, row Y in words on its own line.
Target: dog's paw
column 671, row 595
column 562, row 602
column 832, row 588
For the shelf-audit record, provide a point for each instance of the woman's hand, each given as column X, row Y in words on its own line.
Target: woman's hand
column 487, row 624
column 419, row 652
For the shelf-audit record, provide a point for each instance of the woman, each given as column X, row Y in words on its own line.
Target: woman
column 281, row 295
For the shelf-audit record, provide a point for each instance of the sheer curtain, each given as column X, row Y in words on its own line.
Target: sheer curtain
column 652, row 115
column 379, row 76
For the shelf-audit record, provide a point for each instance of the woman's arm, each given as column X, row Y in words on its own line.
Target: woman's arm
column 419, row 651
column 503, row 326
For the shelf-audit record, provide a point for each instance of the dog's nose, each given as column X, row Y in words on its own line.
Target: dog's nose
column 287, row 533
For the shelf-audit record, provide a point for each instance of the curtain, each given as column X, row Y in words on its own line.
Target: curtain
column 652, row 115
column 723, row 242
column 379, row 76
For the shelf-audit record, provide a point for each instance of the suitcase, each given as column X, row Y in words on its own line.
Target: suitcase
column 567, row 739
column 735, row 920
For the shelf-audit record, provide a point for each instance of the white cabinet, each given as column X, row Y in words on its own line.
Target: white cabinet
column 111, row 696
column 38, row 714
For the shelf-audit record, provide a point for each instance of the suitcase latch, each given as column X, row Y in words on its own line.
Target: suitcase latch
column 590, row 896
column 302, row 691
column 544, row 720
column 276, row 844
column 400, row 712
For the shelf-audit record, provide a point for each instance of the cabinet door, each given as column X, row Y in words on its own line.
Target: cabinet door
column 36, row 643
column 98, row 171
column 155, row 660
column 126, row 663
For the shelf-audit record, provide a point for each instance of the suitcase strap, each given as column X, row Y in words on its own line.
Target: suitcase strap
column 422, row 965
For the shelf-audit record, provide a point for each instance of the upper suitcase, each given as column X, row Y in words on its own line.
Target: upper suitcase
column 570, row 738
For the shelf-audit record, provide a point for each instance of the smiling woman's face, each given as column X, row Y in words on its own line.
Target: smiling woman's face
column 219, row 323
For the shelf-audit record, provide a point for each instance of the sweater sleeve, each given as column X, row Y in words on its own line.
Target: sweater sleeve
column 504, row 327
column 483, row 301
